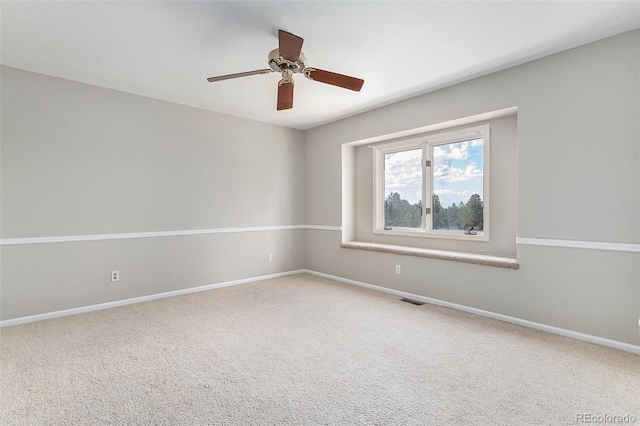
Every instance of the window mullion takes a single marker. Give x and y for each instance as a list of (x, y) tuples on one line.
[(379, 164), (426, 188)]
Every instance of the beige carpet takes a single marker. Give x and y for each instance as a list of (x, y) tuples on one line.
[(303, 350)]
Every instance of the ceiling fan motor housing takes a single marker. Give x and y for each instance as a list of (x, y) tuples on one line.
[(278, 63)]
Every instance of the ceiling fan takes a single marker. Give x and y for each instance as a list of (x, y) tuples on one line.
[(289, 59)]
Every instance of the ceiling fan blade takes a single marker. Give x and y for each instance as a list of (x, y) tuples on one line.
[(334, 79), (290, 45), (240, 74), (285, 96)]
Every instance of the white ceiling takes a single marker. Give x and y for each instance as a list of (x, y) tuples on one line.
[(166, 50)]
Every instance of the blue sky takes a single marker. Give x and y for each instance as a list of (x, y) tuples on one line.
[(457, 170)]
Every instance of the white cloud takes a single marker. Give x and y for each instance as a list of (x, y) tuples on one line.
[(477, 142), (450, 192), (403, 169), (453, 151), (448, 173), (403, 174)]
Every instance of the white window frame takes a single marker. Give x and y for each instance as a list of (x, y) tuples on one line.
[(427, 142)]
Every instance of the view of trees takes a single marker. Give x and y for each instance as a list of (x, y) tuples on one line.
[(400, 213)]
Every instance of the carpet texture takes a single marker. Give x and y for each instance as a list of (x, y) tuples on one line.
[(303, 350)]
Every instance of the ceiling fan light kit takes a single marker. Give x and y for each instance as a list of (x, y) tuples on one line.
[(288, 59)]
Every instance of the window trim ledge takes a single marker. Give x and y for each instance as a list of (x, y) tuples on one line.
[(476, 259)]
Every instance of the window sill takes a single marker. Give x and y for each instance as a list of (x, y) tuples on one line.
[(476, 259)]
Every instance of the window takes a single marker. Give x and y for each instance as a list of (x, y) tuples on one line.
[(436, 185)]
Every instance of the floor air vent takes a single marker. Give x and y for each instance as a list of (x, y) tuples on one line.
[(413, 302)]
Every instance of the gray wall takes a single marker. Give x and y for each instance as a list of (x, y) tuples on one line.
[(83, 160), (78, 159), (578, 138)]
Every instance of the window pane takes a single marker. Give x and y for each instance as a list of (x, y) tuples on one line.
[(457, 185), (403, 189)]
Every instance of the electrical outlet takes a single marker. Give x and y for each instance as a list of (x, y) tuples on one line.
[(270, 257), (115, 276), (397, 269)]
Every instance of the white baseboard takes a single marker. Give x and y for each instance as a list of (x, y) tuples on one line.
[(555, 330), (530, 324), (114, 304)]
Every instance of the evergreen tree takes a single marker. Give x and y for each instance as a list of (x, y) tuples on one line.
[(391, 209), (459, 222), (439, 214), (398, 212), (416, 215), (453, 213), (473, 214)]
